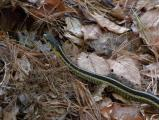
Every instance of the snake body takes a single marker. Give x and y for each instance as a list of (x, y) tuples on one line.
[(121, 89)]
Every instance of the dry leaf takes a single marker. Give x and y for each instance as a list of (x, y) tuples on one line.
[(73, 26), (105, 103), (24, 65), (151, 70), (98, 92), (126, 68), (122, 112), (127, 3), (73, 38), (49, 7), (111, 26), (147, 4), (150, 28), (93, 63), (91, 32), (71, 49), (42, 47), (150, 18), (108, 43), (24, 99), (118, 12)]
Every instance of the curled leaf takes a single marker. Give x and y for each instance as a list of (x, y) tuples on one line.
[(111, 26)]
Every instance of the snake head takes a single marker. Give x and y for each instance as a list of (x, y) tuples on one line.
[(52, 40)]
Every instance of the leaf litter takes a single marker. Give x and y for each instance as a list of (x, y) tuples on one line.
[(104, 37)]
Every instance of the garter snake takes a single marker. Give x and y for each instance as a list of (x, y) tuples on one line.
[(121, 89)]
